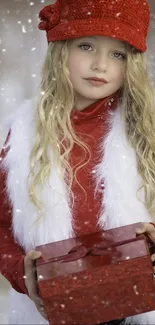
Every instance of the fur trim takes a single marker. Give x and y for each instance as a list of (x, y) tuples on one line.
[(118, 171), (56, 224), (120, 206)]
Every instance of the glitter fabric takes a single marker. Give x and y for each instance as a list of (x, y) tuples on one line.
[(109, 282), (91, 125), (126, 20)]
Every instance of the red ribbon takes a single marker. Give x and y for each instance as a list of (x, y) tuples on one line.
[(80, 251)]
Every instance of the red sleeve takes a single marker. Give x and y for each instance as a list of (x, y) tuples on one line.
[(11, 254)]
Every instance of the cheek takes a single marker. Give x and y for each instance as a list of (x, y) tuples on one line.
[(119, 74), (73, 66), (77, 64)]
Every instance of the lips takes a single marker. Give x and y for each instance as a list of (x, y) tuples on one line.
[(98, 79)]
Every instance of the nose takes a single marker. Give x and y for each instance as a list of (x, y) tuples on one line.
[(100, 62)]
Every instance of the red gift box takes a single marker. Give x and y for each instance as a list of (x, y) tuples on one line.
[(96, 278)]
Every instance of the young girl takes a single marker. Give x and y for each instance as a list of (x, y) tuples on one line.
[(80, 158)]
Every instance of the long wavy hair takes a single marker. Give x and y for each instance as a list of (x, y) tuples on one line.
[(54, 128), (138, 102)]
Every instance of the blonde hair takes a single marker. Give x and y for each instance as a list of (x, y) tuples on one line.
[(53, 124), (54, 128), (138, 102)]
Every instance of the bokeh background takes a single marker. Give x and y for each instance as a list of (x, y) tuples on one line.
[(22, 50)]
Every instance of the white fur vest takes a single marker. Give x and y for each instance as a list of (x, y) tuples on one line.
[(120, 206)]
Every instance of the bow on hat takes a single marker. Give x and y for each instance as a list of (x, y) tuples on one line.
[(50, 16)]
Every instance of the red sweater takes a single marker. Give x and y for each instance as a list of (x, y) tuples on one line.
[(91, 123)]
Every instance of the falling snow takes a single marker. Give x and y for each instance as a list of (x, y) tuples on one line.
[(135, 289), (18, 83), (62, 306)]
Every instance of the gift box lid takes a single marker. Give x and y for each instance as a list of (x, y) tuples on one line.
[(74, 255)]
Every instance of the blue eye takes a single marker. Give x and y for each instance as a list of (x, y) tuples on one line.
[(84, 46), (120, 55)]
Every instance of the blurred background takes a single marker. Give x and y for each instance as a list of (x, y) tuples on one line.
[(22, 50)]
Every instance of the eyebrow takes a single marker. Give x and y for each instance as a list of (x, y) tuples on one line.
[(116, 45)]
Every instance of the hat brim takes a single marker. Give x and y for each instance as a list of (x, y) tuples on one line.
[(98, 27)]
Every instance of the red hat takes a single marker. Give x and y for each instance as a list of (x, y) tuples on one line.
[(126, 20)]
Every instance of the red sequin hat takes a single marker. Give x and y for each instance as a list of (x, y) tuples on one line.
[(126, 20)]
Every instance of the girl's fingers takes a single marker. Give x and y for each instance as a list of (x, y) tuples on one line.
[(145, 227), (31, 256), (153, 257), (149, 229), (152, 237), (31, 280), (43, 313), (40, 306), (38, 300)]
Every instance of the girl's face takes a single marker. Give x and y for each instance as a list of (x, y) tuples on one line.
[(100, 57)]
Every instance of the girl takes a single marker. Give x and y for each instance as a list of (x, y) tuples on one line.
[(80, 158)]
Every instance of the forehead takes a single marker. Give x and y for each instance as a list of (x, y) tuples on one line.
[(103, 40)]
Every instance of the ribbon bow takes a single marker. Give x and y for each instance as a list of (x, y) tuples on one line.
[(78, 252), (50, 16), (100, 249)]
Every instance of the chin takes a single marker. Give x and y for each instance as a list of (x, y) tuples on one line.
[(97, 97)]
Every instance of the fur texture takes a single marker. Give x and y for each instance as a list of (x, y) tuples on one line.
[(56, 224), (120, 205)]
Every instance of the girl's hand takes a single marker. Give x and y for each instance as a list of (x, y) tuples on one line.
[(149, 229), (31, 280)]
